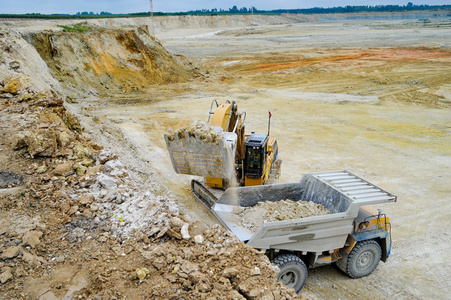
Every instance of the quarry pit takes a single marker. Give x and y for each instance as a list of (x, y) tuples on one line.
[(371, 95)]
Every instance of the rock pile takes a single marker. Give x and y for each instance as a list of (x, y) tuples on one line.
[(200, 130), (220, 267), (75, 224), (77, 210), (269, 211)]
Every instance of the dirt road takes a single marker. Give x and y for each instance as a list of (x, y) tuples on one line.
[(369, 97)]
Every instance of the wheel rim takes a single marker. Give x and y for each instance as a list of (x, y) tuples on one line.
[(289, 279), (365, 260)]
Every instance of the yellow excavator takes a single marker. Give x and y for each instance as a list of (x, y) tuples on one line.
[(234, 159)]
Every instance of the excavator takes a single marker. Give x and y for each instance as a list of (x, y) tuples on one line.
[(234, 159)]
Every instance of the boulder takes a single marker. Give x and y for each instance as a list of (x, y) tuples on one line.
[(199, 239), (106, 181), (16, 83), (10, 253), (255, 271), (6, 275), (64, 169), (19, 141), (9, 178), (32, 259), (142, 273), (79, 168), (197, 228), (41, 142), (65, 206), (64, 139), (185, 231), (230, 272), (72, 210), (92, 171), (87, 199), (105, 155), (14, 65), (31, 238), (176, 223)]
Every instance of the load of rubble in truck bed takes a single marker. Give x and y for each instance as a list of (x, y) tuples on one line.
[(271, 211), (199, 129)]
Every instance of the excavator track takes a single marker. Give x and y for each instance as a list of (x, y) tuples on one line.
[(202, 194), (207, 198)]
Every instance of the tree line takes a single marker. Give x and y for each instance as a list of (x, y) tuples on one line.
[(364, 8), (244, 10)]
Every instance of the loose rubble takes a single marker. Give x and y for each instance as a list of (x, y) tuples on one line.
[(200, 129), (74, 224), (269, 211)]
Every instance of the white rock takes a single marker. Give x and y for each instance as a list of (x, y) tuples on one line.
[(255, 271), (106, 181), (185, 232), (105, 155), (141, 204), (114, 168), (199, 239)]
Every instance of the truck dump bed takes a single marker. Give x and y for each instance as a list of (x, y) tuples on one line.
[(341, 192)]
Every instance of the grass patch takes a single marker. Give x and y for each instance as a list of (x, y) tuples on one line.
[(79, 27)]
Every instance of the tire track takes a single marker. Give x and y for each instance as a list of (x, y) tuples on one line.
[(422, 216)]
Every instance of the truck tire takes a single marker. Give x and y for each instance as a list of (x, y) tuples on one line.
[(363, 259), (293, 272)]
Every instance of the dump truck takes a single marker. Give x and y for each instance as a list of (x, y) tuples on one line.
[(354, 235)]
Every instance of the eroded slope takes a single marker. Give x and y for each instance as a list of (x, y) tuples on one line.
[(106, 61)]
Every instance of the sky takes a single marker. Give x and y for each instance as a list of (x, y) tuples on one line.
[(131, 6)]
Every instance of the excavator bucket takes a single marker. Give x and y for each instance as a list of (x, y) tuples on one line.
[(202, 155)]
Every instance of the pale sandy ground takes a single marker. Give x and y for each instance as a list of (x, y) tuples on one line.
[(321, 124), (403, 148)]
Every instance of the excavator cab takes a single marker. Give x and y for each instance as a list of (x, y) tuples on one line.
[(254, 162), (255, 157), (260, 159)]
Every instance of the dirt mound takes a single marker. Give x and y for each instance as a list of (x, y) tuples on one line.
[(108, 61)]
